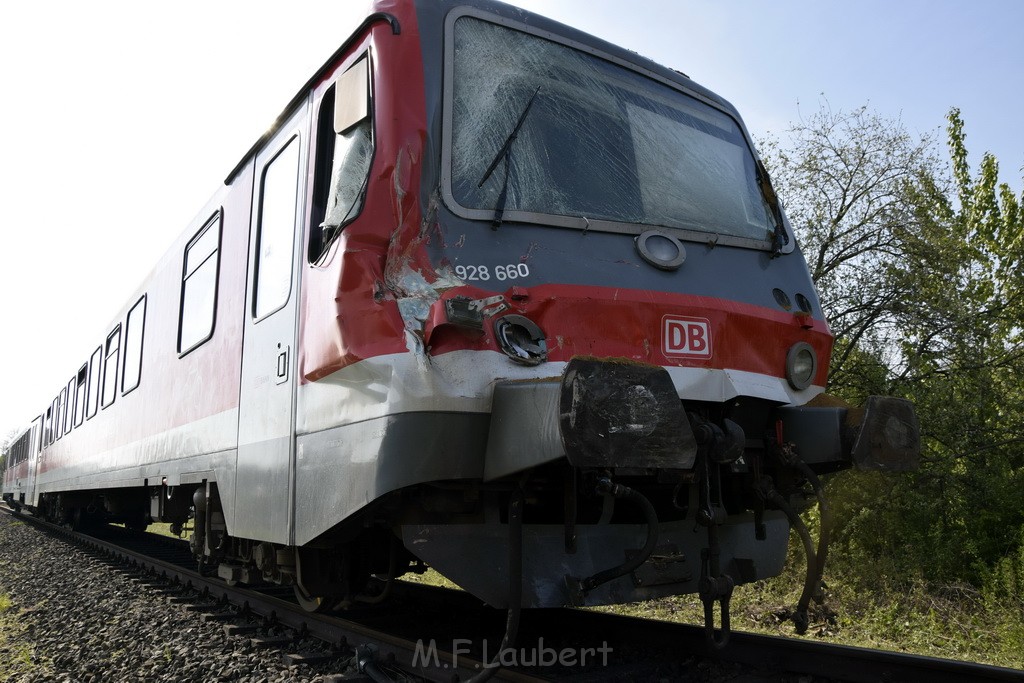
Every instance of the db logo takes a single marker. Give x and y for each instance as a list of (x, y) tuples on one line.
[(690, 337)]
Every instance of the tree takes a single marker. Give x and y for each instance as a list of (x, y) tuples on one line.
[(843, 177), (5, 444), (918, 264), (964, 352)]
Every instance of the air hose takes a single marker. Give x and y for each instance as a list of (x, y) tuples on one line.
[(578, 588), (825, 530), (812, 578)]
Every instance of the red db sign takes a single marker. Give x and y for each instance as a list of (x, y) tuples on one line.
[(688, 337)]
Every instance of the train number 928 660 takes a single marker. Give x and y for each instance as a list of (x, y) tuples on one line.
[(512, 271)]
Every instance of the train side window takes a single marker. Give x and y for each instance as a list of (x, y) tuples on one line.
[(199, 286), (134, 330), (69, 406), (48, 426), (110, 362), (58, 415), (92, 390), (275, 240), (344, 152), (80, 382)]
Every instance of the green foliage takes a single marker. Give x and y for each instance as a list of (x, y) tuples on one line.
[(951, 621), (843, 178), (920, 266), (961, 352)]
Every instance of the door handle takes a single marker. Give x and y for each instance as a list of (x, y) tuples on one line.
[(282, 363)]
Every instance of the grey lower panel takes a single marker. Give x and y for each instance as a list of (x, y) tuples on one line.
[(260, 502), (217, 467), (475, 556), (341, 470), (524, 427)]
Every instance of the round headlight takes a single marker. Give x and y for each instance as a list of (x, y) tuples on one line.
[(660, 250), (801, 365), (521, 339)]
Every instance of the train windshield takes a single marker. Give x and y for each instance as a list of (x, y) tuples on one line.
[(540, 131)]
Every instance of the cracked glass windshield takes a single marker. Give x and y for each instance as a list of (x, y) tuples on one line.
[(542, 128)]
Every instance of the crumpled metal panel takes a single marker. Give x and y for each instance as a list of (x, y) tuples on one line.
[(889, 437), (620, 413)]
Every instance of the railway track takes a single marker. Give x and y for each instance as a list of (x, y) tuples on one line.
[(385, 643)]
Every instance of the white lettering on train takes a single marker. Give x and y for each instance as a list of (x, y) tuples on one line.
[(688, 337)]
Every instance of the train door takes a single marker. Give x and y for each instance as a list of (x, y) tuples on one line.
[(34, 446), (264, 482)]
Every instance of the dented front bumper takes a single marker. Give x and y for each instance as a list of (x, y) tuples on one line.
[(615, 413), (882, 435)]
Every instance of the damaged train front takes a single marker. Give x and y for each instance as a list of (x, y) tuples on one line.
[(618, 277)]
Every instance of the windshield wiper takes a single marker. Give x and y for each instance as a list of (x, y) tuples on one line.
[(505, 153)]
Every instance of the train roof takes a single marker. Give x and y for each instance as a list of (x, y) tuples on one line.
[(380, 14)]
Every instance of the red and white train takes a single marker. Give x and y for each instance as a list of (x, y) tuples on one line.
[(492, 296)]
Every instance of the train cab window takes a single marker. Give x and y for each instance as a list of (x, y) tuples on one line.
[(199, 287), (344, 151), (134, 330), (275, 240), (110, 362), (92, 389), (80, 382)]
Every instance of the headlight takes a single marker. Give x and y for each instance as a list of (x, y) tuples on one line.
[(521, 339), (801, 365), (660, 250)]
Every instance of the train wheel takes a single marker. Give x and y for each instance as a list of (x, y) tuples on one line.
[(313, 569), (312, 603), (137, 525)]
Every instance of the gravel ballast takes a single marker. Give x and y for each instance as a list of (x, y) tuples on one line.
[(72, 617)]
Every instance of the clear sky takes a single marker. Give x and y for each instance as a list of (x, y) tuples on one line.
[(121, 118)]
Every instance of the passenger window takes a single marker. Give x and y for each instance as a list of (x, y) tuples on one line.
[(134, 329), (69, 406), (80, 382), (58, 417), (111, 358), (92, 391), (48, 426), (276, 237), (199, 287), (344, 150)]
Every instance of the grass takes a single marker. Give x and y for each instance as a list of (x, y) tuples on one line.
[(163, 529), (953, 622), (430, 578), (17, 652)]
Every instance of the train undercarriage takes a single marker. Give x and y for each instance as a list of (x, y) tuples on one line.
[(647, 497)]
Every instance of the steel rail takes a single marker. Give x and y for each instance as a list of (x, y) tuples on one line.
[(761, 653), (795, 655), (394, 651)]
